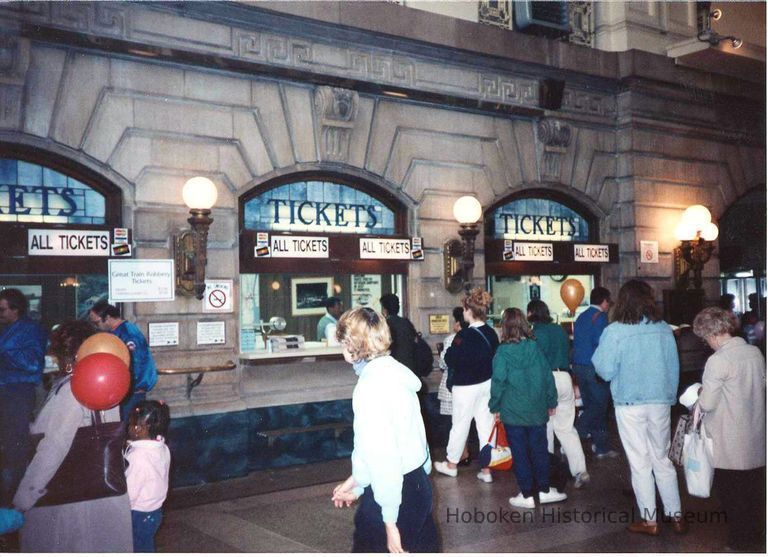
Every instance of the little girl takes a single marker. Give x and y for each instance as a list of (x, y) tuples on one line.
[(149, 461)]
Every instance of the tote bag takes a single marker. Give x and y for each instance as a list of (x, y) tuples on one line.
[(93, 468), (496, 454), (697, 459)]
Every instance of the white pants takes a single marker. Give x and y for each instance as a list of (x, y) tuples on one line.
[(561, 424), (469, 401), (644, 432)]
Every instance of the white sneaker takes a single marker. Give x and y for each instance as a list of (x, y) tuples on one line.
[(522, 502), (551, 496), (443, 468), (487, 478), (580, 480)]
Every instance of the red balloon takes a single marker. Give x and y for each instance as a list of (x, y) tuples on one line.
[(100, 381)]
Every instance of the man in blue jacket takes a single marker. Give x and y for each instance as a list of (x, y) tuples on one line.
[(22, 359), (595, 393), (106, 317)]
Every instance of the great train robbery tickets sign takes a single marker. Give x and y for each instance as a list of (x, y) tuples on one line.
[(68, 242)]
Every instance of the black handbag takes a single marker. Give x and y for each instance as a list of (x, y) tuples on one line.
[(94, 467)]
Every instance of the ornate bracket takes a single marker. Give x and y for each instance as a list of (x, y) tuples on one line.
[(336, 110)]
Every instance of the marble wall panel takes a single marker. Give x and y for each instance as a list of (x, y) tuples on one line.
[(42, 82)]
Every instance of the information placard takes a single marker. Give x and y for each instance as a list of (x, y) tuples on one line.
[(439, 324), (211, 332), (164, 334), (141, 280), (649, 251), (593, 253)]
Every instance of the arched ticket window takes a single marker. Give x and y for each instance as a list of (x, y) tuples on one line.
[(59, 225), (310, 236)]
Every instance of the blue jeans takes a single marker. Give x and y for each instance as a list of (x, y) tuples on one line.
[(17, 402), (596, 396), (530, 456), (418, 533), (145, 527), (129, 404)]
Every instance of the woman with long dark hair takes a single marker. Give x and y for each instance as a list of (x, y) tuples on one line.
[(638, 355)]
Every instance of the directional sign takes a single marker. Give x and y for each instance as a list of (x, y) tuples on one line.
[(218, 296)]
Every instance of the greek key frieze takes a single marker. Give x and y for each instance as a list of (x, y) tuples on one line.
[(590, 103), (513, 91)]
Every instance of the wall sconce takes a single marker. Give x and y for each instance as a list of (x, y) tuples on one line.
[(709, 35), (459, 255), (191, 246), (696, 233), (70, 282)]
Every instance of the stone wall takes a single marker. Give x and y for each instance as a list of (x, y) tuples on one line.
[(150, 95)]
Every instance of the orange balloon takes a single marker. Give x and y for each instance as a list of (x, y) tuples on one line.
[(104, 343), (572, 293)]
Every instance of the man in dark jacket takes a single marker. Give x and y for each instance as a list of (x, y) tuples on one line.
[(403, 332), (22, 359)]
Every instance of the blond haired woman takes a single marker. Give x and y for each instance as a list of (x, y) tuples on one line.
[(390, 460), (733, 397), (470, 356)]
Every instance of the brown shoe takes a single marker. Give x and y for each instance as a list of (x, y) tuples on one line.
[(679, 526), (642, 527)]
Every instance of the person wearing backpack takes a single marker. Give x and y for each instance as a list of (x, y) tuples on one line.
[(470, 356), (403, 348)]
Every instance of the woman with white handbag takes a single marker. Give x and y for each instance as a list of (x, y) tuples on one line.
[(733, 397)]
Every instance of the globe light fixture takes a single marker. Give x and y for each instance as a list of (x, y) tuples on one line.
[(459, 255), (696, 233), (191, 246)]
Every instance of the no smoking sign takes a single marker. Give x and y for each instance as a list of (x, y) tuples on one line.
[(218, 296)]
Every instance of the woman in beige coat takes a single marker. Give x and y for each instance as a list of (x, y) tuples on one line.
[(733, 397)]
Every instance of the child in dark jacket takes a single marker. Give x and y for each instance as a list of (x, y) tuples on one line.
[(523, 396)]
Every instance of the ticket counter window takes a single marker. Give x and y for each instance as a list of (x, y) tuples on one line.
[(518, 291), (300, 300), (56, 297)]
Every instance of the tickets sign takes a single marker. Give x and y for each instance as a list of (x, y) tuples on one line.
[(533, 252), (385, 248), (69, 243), (595, 253), (299, 246)]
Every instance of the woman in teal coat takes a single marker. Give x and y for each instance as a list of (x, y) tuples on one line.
[(523, 396)]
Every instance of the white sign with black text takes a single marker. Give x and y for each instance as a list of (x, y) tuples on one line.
[(299, 246), (649, 251), (533, 252), (211, 332), (385, 248), (141, 280), (592, 253), (68, 243), (164, 334)]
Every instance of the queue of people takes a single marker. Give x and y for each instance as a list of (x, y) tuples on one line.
[(522, 382)]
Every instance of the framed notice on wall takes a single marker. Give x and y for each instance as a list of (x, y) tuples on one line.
[(141, 280)]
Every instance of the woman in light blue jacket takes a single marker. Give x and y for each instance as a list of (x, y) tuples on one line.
[(390, 460), (638, 355)]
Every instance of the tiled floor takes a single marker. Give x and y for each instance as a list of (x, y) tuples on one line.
[(245, 515)]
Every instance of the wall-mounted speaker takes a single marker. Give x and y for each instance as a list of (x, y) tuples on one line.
[(551, 93)]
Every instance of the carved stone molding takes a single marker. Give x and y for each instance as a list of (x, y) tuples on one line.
[(495, 13), (582, 23), (335, 111), (554, 133), (555, 136), (589, 103)]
